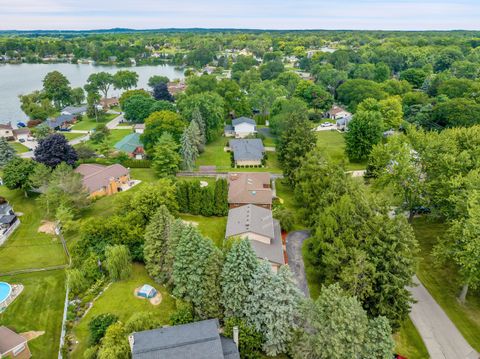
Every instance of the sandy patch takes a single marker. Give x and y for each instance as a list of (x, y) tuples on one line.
[(192, 223), (47, 227), (32, 334)]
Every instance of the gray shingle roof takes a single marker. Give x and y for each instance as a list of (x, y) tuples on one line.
[(59, 121), (250, 218), (75, 110), (273, 252), (247, 149), (199, 340), (240, 120)]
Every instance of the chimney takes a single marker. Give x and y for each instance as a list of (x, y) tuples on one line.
[(235, 335)]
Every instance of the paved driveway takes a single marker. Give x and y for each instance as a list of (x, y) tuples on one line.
[(441, 337), (295, 241)]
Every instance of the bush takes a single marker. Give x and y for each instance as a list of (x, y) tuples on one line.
[(285, 217), (132, 163), (250, 341), (183, 315), (99, 325)]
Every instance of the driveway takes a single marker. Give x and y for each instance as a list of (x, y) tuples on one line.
[(441, 337), (295, 241)]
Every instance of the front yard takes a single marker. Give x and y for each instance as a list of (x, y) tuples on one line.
[(71, 136), (333, 145)]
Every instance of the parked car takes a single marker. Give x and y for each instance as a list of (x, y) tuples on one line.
[(21, 140), (326, 124), (66, 129), (21, 124)]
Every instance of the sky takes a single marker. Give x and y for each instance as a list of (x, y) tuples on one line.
[(251, 14)]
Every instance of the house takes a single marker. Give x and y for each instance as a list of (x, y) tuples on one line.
[(110, 102), (132, 145), (199, 340), (337, 112), (6, 131), (139, 128), (8, 220), (241, 127), (247, 152), (342, 124), (249, 188), (62, 121), (257, 225), (74, 110), (100, 180), (13, 345), (21, 133), (176, 87)]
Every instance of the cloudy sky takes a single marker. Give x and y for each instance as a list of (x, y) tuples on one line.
[(257, 14)]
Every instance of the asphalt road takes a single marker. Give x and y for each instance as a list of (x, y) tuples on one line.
[(441, 337), (295, 241)]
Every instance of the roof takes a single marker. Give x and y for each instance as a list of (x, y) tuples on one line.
[(249, 187), (337, 109), (75, 110), (199, 340), (7, 219), (109, 101), (21, 131), (344, 121), (139, 126), (240, 120), (9, 340), (250, 218), (129, 143), (6, 126), (60, 120), (273, 252), (96, 176), (247, 149), (5, 208), (228, 128), (146, 288)]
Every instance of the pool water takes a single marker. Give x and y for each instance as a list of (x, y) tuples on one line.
[(5, 290)]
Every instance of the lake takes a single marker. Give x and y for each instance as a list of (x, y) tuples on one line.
[(24, 78)]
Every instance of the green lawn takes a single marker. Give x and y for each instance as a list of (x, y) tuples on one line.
[(442, 283), (287, 198), (333, 144), (26, 248), (71, 136), (39, 307), (18, 147), (119, 299), (409, 343), (211, 227), (88, 123)]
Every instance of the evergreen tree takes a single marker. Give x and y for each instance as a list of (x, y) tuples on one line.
[(7, 153), (197, 118), (182, 196), (166, 159), (240, 265), (221, 197), (194, 198), (207, 198), (178, 230), (157, 235), (160, 92), (189, 147)]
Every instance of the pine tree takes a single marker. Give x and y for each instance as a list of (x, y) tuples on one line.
[(240, 265), (178, 229), (166, 159), (221, 197), (197, 118), (182, 196), (157, 235), (194, 197), (189, 147), (7, 153), (207, 208)]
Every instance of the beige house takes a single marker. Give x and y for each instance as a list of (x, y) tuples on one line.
[(249, 188), (13, 345), (102, 180), (337, 112), (258, 226), (6, 131)]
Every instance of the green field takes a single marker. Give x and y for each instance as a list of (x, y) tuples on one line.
[(26, 248), (119, 299), (40, 308), (87, 123), (18, 147), (443, 285), (333, 144), (211, 227)]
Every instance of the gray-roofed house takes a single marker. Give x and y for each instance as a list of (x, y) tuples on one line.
[(258, 225), (13, 345), (199, 340), (241, 127), (74, 110), (342, 123), (247, 152), (61, 121)]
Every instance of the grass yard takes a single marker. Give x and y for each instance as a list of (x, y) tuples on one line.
[(211, 227), (442, 283), (119, 299), (18, 147), (71, 136), (408, 342), (87, 123), (287, 198), (115, 136), (26, 248), (39, 307), (333, 144)]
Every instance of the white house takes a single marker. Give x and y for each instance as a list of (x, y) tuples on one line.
[(139, 128), (337, 112), (6, 131), (241, 127)]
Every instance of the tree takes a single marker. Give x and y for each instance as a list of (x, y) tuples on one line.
[(114, 344), (159, 123), (54, 150), (78, 95), (7, 153), (334, 319), (211, 107), (118, 262), (157, 235), (166, 160), (221, 197), (130, 93), (189, 143), (160, 92), (284, 111), (125, 80), (197, 118), (57, 88), (16, 174), (37, 106), (352, 92), (157, 79), (137, 108), (84, 151), (364, 131), (140, 321), (314, 95), (163, 106), (330, 77), (99, 325), (249, 340), (415, 76), (390, 109), (462, 245), (456, 112), (93, 101), (100, 133), (100, 81), (271, 69), (199, 84), (236, 103), (238, 271), (263, 94)]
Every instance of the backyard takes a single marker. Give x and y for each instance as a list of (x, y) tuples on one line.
[(87, 123), (211, 227), (333, 144)]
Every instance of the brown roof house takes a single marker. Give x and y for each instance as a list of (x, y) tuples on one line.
[(249, 188), (110, 102), (13, 345), (6, 131), (102, 180), (257, 224), (337, 112)]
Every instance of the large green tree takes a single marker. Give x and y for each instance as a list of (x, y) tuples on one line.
[(166, 160), (364, 131), (125, 80), (158, 123), (7, 153), (57, 88), (189, 143)]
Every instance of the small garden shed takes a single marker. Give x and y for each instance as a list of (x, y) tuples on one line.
[(147, 291)]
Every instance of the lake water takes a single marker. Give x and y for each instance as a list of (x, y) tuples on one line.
[(24, 78)]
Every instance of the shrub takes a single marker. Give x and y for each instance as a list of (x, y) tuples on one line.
[(99, 325), (183, 314), (250, 341)]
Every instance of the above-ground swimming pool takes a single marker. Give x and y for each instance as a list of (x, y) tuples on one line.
[(5, 293)]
